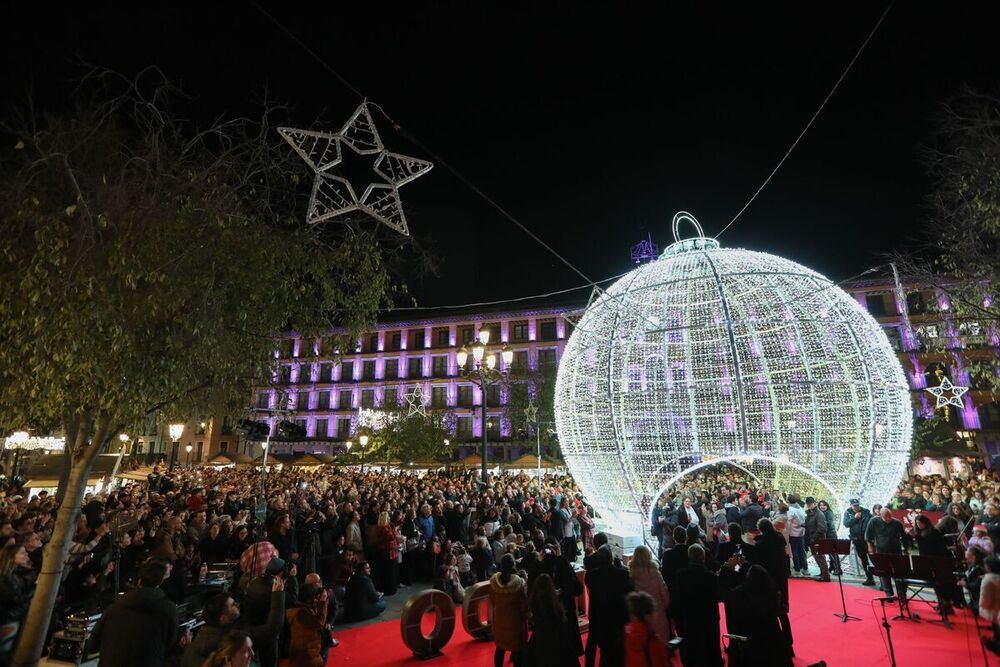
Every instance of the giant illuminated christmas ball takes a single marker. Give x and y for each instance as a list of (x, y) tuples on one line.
[(709, 355)]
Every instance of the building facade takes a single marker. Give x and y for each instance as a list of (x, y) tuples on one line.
[(324, 391), (206, 437), (932, 344)]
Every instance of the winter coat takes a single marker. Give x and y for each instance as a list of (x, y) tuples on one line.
[(695, 601), (755, 616), (360, 598), (856, 527), (815, 526), (607, 586), (796, 521), (651, 582), (643, 647), (263, 635), (549, 645), (749, 516), (831, 523), (989, 598), (510, 612), (305, 645), (886, 536), (15, 596), (137, 630)]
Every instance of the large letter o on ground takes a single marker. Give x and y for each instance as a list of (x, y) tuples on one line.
[(472, 621), (425, 646)]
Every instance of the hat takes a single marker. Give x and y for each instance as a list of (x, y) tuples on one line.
[(810, 500), (275, 566), (855, 501), (980, 526)]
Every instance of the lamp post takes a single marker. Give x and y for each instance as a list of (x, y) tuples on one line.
[(188, 448), (484, 374), (176, 431), (363, 441), (531, 417)]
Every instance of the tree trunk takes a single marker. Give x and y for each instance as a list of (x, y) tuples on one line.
[(71, 426), (29, 648)]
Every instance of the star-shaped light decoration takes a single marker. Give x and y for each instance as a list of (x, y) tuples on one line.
[(954, 396), (415, 399), (334, 195), (531, 413)]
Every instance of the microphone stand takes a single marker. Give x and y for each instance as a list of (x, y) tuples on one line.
[(888, 631)]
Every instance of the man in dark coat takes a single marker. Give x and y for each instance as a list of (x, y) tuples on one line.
[(139, 628), (816, 529), (675, 558), (885, 535), (607, 586), (221, 615), (769, 553), (856, 520), (750, 513), (361, 600), (696, 599)]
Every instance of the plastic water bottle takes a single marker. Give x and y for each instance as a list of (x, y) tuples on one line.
[(203, 573)]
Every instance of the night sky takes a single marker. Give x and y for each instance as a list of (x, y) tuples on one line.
[(590, 124)]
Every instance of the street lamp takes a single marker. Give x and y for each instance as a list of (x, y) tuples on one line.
[(484, 374), (531, 416), (176, 431), (188, 449), (363, 441)]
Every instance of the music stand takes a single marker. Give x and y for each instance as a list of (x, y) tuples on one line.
[(893, 566), (837, 548)]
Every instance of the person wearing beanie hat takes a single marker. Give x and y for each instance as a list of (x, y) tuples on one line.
[(981, 539), (816, 529), (856, 520)]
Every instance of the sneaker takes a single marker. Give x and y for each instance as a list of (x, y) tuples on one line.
[(822, 578), (334, 642), (868, 582)]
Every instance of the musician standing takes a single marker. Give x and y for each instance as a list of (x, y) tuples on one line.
[(884, 535)]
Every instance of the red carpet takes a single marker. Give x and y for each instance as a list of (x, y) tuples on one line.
[(818, 636)]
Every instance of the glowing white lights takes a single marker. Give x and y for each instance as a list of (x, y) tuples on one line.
[(953, 397), (416, 402), (23, 440), (334, 195), (714, 355)]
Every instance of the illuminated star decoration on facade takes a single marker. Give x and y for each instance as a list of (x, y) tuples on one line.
[(946, 386), (531, 413), (334, 195), (415, 399)]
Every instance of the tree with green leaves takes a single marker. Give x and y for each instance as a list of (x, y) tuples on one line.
[(934, 435), (147, 264), (531, 387), (960, 254), (404, 438)]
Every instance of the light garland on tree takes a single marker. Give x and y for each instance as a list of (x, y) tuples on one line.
[(22, 440), (716, 355), (374, 420)]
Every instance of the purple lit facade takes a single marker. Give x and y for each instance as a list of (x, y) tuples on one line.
[(931, 317), (326, 394)]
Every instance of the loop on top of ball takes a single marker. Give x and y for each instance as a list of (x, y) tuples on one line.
[(684, 215)]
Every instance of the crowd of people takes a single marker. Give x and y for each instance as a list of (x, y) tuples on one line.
[(312, 548)]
